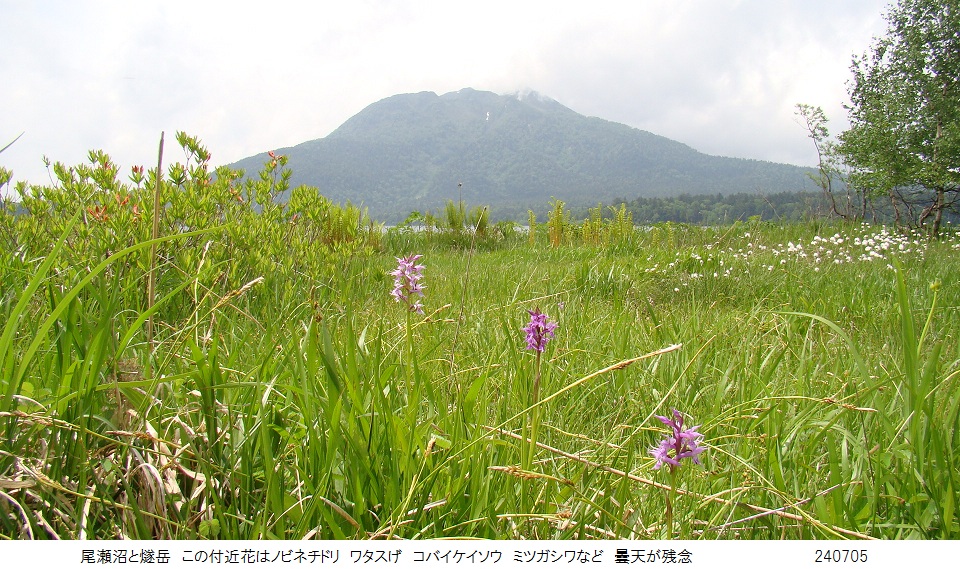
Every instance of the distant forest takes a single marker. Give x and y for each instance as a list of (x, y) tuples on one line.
[(717, 209)]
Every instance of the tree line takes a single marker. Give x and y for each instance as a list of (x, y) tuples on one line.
[(903, 144)]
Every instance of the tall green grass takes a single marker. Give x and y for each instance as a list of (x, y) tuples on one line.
[(290, 397)]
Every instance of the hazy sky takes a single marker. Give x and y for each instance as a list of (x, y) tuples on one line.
[(722, 76)]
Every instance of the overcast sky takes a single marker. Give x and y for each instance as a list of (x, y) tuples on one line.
[(722, 76)]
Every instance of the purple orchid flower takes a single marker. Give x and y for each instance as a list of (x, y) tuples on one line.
[(681, 444)]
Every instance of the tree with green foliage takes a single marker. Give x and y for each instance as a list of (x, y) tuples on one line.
[(904, 138)]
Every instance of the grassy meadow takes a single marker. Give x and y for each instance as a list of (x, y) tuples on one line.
[(269, 385)]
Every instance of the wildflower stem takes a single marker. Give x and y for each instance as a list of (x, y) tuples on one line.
[(671, 496), (534, 423), (536, 382), (533, 428), (410, 363)]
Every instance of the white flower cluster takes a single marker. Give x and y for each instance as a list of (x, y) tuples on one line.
[(869, 244), (875, 245)]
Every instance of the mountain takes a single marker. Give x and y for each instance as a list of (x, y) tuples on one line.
[(409, 152)]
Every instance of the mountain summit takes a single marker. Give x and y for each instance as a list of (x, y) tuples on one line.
[(409, 152)]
